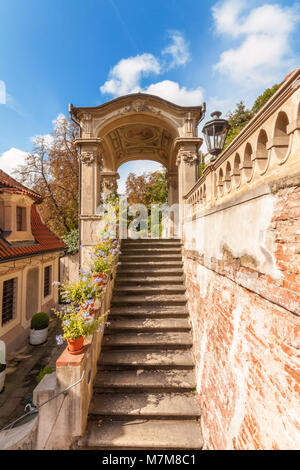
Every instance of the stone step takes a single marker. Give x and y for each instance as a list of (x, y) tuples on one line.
[(149, 290), (151, 251), (147, 359), (144, 405), (151, 241), (149, 272), (165, 248), (147, 340), (141, 434), (175, 380), (128, 265), (146, 257), (145, 300), (149, 312), (138, 281), (148, 325)]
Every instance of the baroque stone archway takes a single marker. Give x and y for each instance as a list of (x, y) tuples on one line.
[(134, 127)]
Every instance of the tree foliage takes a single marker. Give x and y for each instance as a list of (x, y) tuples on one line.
[(241, 115), (148, 188), (262, 99), (52, 170)]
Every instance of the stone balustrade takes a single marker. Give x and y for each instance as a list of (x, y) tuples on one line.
[(267, 146), (64, 418)]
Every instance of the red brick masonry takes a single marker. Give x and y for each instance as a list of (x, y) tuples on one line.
[(247, 341)]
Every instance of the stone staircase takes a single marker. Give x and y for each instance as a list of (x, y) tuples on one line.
[(144, 392)]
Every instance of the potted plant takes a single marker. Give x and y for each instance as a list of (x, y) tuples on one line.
[(82, 292), (76, 325), (39, 328)]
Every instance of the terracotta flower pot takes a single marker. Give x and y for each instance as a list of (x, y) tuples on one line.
[(100, 277), (75, 346)]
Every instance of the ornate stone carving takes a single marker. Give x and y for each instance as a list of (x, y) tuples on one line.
[(88, 157), (137, 106), (110, 184), (186, 156)]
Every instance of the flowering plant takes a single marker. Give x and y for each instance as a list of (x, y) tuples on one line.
[(104, 255), (82, 291), (77, 323)]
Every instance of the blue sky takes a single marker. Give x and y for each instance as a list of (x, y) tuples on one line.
[(56, 52)]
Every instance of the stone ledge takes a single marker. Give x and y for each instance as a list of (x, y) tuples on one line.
[(73, 360)]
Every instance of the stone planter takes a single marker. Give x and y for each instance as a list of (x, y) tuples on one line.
[(38, 336)]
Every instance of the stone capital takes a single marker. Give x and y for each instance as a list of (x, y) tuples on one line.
[(187, 156), (91, 150), (88, 157), (186, 150), (109, 181)]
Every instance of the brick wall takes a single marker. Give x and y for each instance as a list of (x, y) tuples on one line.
[(247, 339)]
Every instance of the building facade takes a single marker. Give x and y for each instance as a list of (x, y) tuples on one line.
[(29, 261)]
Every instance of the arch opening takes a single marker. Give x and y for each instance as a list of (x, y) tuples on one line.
[(248, 164), (281, 136), (261, 150)]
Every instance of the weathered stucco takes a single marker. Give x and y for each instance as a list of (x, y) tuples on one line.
[(240, 229)]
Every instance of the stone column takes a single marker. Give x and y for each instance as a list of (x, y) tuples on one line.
[(186, 160), (173, 200), (90, 161)]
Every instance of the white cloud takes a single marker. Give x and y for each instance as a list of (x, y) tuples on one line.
[(46, 139), (125, 77), (263, 55), (171, 91), (2, 92), (60, 119), (11, 159), (178, 50)]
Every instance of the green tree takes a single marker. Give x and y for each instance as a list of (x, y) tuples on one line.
[(262, 99), (237, 120), (148, 188), (241, 115)]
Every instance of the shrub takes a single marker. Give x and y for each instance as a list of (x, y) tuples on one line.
[(43, 372), (39, 321), (71, 239)]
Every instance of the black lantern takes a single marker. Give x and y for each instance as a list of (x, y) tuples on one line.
[(215, 133)]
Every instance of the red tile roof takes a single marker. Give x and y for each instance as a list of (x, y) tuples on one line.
[(45, 240), (10, 185)]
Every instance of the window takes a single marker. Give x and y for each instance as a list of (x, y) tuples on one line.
[(47, 280), (9, 300), (21, 219)]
